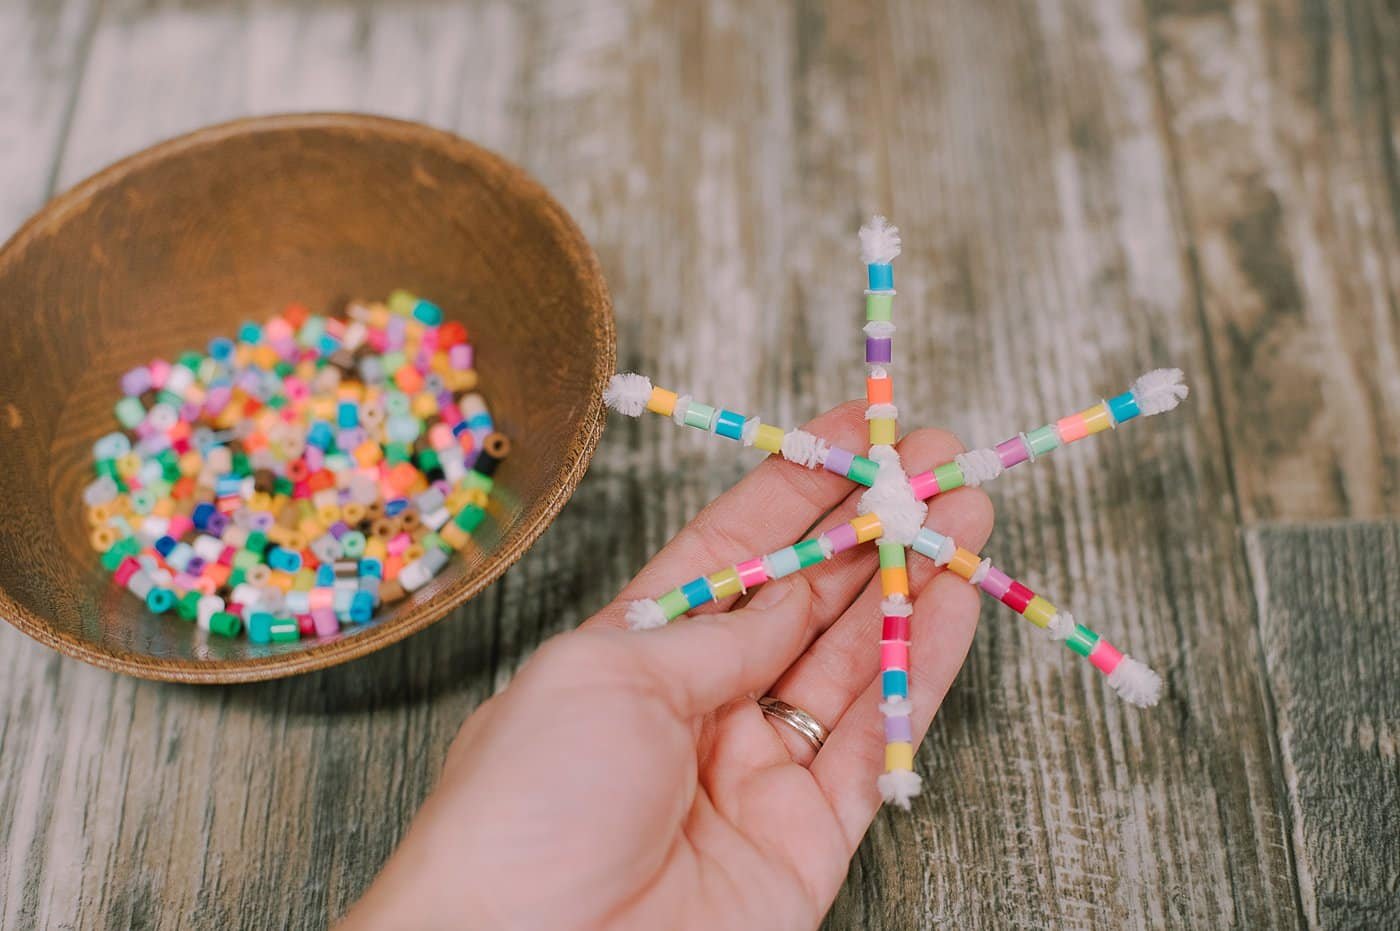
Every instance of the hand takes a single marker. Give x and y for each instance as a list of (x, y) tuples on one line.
[(629, 779)]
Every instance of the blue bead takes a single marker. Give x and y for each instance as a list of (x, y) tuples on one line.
[(394, 507), (784, 562), (260, 627), (1124, 407), (348, 415), (895, 683), (249, 333), (928, 542), (221, 348), (460, 428), (325, 575), (372, 567), (361, 607), (320, 435), (165, 544), (697, 592), (881, 277), (202, 513), (481, 422), (427, 312), (730, 424)]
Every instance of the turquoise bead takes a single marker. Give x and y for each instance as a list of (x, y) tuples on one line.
[(427, 312), (1124, 407), (697, 592), (730, 425), (895, 683)]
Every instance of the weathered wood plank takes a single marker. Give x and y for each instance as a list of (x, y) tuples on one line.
[(1284, 117), (1329, 621)]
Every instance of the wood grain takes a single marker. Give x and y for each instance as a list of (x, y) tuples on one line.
[(1329, 617), (1066, 197)]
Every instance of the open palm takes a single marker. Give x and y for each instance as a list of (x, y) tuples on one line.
[(630, 779)]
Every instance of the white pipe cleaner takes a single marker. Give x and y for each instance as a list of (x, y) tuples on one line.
[(1135, 682), (1159, 391), (879, 242), (979, 465), (628, 393), (805, 448), (645, 613), (892, 499), (898, 787)]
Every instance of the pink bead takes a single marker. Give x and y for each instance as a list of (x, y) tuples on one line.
[(1012, 452), (841, 538), (440, 436), (460, 357), (895, 628), (305, 625), (160, 370), (180, 525), (326, 624), (894, 654), (925, 485), (752, 573), (1105, 657), (400, 543), (321, 599), (997, 583)]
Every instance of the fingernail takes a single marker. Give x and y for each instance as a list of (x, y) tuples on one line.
[(770, 596)]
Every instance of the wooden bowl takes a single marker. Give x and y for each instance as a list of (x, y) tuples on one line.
[(180, 243)]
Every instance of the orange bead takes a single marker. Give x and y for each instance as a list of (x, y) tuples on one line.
[(409, 379), (894, 581), (964, 562), (879, 390)]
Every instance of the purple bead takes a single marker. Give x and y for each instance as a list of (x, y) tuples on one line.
[(136, 381), (261, 521), (315, 457), (216, 524), (217, 399), (899, 730), (338, 529), (839, 460), (841, 538), (997, 583), (195, 566), (189, 412), (879, 350), (460, 356), (1012, 452)]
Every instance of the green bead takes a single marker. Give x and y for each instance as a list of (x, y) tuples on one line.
[(246, 559), (130, 412), (225, 624), (469, 518), (428, 461), (285, 630), (113, 557), (352, 545), (809, 553), (190, 360), (240, 465), (395, 402), (395, 453), (863, 471), (699, 415), (340, 462), (106, 467), (236, 577), (674, 603), (949, 476), (879, 306), (283, 369), (1043, 440), (401, 302), (256, 542), (169, 397), (891, 556), (1082, 641), (187, 608), (475, 480), (283, 486), (428, 540), (277, 402)]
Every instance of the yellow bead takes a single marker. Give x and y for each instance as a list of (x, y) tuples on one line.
[(882, 432), (894, 580), (328, 514), (964, 562), (413, 552), (190, 463), (1039, 612), (453, 535), (424, 405), (98, 515), (128, 465), (769, 438), (1097, 418), (460, 380), (726, 582), (165, 507), (375, 549), (867, 527), (662, 402), (899, 756)]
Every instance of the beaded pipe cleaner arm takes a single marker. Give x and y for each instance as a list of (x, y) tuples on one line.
[(898, 500)]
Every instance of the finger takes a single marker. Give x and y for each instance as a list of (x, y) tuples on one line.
[(767, 509), (846, 769), (703, 662), (845, 659)]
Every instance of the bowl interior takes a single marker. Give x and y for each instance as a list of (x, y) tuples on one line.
[(181, 243)]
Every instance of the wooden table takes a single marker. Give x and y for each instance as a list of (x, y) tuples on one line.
[(1087, 189)]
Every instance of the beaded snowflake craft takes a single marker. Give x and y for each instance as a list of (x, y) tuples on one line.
[(892, 511)]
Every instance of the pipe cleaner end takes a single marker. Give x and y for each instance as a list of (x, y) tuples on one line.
[(645, 614), (628, 393), (879, 242), (1159, 391), (1136, 683), (899, 786)]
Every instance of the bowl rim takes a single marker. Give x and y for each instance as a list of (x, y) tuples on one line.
[(596, 298)]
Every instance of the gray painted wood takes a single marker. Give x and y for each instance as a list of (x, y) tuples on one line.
[(1061, 195), (1329, 622)]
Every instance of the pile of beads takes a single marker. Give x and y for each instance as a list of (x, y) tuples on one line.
[(290, 481)]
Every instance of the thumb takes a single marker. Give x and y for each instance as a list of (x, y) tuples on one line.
[(706, 661)]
